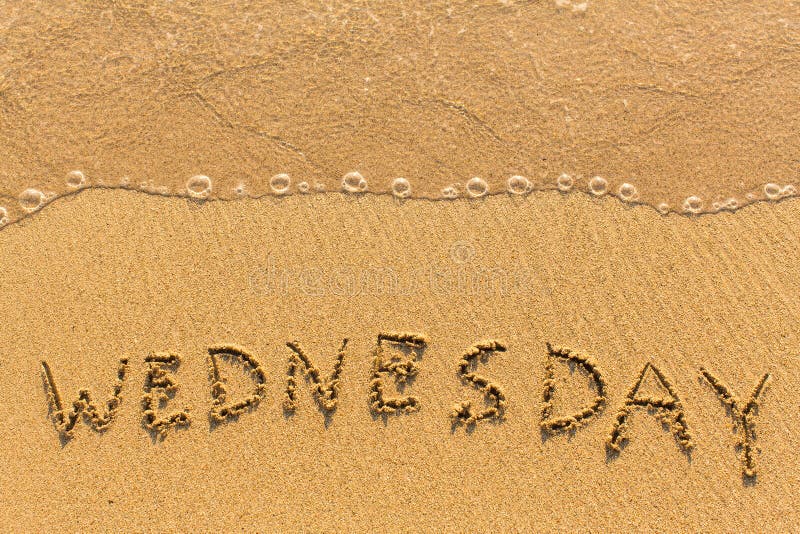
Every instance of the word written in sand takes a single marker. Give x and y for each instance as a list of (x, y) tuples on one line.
[(396, 363)]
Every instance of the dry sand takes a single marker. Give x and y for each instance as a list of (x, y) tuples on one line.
[(103, 275), (111, 112)]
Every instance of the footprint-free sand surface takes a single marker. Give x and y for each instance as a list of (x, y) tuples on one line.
[(104, 275), (677, 99), (400, 266)]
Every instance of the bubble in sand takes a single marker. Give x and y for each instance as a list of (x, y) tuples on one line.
[(663, 208), (449, 192), (788, 191), (731, 203), (353, 182), (303, 187), (598, 185), (772, 191), (401, 188), (280, 183), (477, 187), (199, 186), (628, 192), (692, 204), (518, 185), (319, 187), (3, 216), (565, 182), (31, 199), (75, 179)]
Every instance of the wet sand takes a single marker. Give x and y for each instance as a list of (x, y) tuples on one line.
[(678, 99)]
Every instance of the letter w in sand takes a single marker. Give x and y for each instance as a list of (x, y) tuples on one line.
[(65, 421)]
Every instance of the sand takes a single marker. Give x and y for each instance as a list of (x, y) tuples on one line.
[(677, 99), (104, 275), (422, 266)]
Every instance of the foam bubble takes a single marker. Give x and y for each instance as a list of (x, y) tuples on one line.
[(75, 179), (303, 187), (280, 184), (477, 187), (199, 186), (518, 185), (353, 182), (401, 188), (3, 216), (449, 192), (663, 208), (31, 199), (731, 203), (772, 191), (598, 185), (788, 191), (565, 182), (628, 192), (692, 204)]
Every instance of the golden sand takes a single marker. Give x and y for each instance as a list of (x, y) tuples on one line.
[(670, 326), (663, 101), (362, 266)]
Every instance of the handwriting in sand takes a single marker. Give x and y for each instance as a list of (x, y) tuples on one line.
[(396, 363)]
